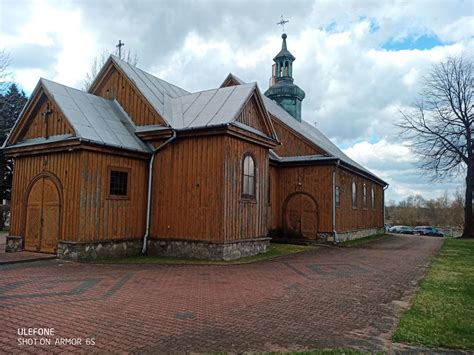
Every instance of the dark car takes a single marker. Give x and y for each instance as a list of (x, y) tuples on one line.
[(401, 230), (428, 230)]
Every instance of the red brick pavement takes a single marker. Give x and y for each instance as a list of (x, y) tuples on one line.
[(330, 297)]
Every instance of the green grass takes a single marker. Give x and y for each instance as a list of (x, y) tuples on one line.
[(357, 242), (442, 313), (276, 250)]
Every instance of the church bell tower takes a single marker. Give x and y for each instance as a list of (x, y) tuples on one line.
[(282, 89)]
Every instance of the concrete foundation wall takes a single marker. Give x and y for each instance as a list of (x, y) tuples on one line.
[(345, 236)]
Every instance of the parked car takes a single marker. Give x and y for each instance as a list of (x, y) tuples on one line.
[(401, 230), (428, 230), (387, 227)]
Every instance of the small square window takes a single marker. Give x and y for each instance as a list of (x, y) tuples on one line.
[(118, 184)]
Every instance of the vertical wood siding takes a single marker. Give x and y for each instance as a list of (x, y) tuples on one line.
[(87, 214), (117, 86), (313, 180), (292, 144), (274, 206), (251, 116), (348, 218), (102, 217), (36, 126), (244, 219), (188, 198), (65, 166)]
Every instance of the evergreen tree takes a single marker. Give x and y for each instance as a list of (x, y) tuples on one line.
[(11, 104)]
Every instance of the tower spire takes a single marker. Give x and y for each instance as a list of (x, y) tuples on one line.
[(282, 89)]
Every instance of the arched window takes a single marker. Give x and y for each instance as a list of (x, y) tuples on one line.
[(373, 198), (365, 196), (354, 195), (248, 177)]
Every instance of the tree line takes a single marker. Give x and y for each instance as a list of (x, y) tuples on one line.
[(444, 211)]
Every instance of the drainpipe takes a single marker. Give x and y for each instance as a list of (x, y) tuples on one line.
[(149, 196), (383, 199), (336, 241)]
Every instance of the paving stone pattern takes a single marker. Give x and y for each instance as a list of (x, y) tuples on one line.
[(327, 298)]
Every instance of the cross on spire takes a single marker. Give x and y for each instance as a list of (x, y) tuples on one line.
[(119, 46), (282, 23)]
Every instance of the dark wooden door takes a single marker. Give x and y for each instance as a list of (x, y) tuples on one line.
[(42, 217), (301, 215)]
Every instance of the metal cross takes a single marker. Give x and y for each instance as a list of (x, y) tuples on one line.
[(282, 23), (119, 46)]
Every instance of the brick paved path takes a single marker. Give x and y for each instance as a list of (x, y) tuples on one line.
[(326, 298)]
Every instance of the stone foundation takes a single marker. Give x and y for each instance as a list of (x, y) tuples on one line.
[(206, 250), (99, 249), (357, 234), (13, 244)]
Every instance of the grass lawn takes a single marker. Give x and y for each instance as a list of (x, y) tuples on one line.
[(275, 251), (356, 242), (442, 313)]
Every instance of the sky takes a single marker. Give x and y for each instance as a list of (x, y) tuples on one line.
[(360, 62)]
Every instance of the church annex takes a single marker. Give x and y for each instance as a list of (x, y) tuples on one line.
[(138, 165)]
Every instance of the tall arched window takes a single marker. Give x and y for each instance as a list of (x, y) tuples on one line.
[(248, 177), (354, 195), (373, 198), (365, 196)]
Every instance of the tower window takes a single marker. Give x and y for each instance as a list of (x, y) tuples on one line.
[(248, 177)]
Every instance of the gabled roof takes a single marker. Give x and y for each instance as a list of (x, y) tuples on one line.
[(232, 78), (93, 118), (154, 89), (306, 130)]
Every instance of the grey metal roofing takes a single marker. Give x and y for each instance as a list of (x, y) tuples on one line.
[(154, 89), (207, 108), (312, 134), (94, 118)]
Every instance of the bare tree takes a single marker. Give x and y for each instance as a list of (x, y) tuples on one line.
[(439, 127), (99, 62), (5, 74)]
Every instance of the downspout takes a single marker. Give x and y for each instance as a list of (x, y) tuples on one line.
[(149, 196), (383, 199), (336, 241)]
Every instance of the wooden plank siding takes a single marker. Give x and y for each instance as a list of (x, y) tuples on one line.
[(188, 179), (274, 202), (243, 218), (65, 166), (37, 126), (252, 117), (313, 180), (116, 86), (87, 213), (349, 218), (291, 143), (103, 217)]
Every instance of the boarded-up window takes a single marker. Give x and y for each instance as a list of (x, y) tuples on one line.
[(365, 196), (338, 196), (118, 183), (248, 182), (354, 195)]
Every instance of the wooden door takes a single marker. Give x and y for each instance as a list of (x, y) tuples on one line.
[(301, 215), (42, 217)]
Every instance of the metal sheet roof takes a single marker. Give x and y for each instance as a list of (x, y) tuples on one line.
[(94, 118), (207, 108), (154, 89), (311, 133)]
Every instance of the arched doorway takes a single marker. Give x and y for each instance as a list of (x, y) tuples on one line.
[(43, 210), (300, 214)]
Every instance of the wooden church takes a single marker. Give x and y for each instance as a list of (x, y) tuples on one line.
[(139, 165)]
